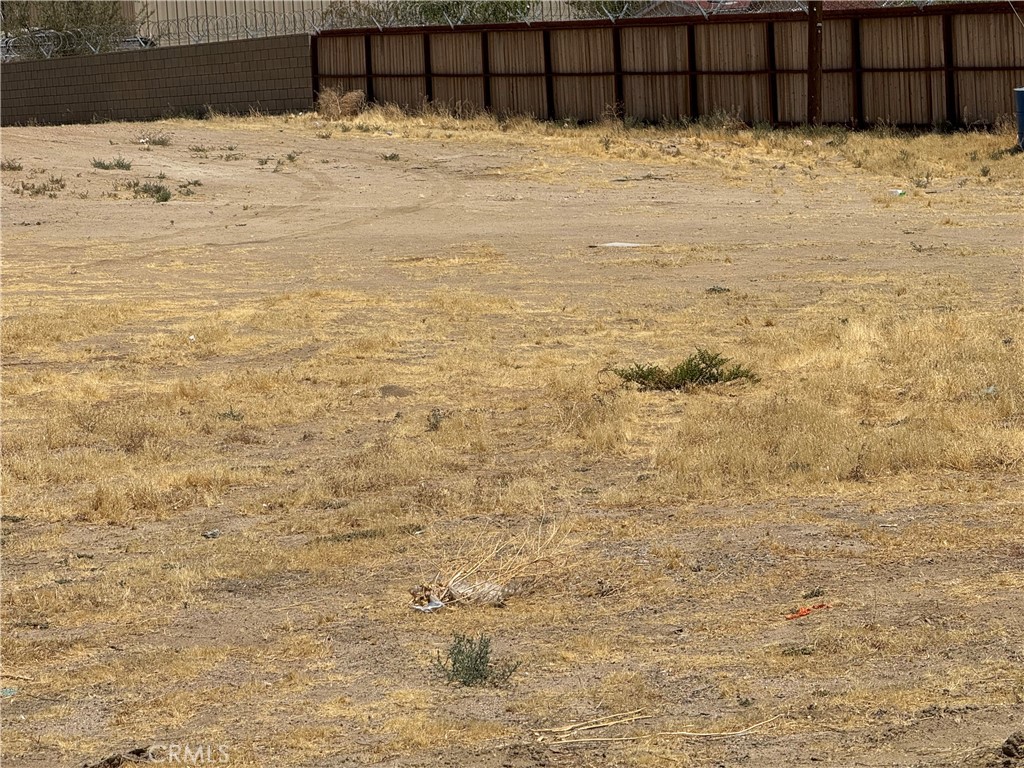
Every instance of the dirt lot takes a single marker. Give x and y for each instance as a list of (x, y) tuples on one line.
[(344, 359)]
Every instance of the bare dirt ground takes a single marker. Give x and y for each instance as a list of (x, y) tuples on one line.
[(347, 358)]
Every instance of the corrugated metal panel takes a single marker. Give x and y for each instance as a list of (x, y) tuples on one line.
[(654, 49), (583, 51), (462, 94), (518, 96), (743, 96), (902, 43), (984, 97), (406, 92), (515, 53), (987, 41), (397, 54), (458, 53), (584, 98), (731, 47), (342, 84), (341, 56), (656, 97)]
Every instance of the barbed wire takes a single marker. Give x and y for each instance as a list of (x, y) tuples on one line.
[(382, 14), (50, 44)]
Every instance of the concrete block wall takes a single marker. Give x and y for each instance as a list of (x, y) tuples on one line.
[(271, 74)]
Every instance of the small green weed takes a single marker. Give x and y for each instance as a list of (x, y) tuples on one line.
[(700, 369), (468, 662), (108, 165), (158, 192)]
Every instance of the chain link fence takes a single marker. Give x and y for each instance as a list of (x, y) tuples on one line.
[(383, 14)]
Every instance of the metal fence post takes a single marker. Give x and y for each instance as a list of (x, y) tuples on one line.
[(814, 35), (549, 75), (948, 62)]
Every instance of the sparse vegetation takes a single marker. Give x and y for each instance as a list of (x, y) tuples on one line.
[(154, 139), (188, 186), (50, 187), (467, 661), (118, 163), (389, 156), (10, 164), (158, 192)]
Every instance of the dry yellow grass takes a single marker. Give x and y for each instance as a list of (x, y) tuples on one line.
[(352, 389)]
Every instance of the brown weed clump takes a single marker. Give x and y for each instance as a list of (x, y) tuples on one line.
[(332, 104)]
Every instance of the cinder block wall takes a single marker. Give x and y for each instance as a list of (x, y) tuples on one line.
[(271, 74)]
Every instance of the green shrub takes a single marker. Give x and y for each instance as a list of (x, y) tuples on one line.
[(119, 162), (468, 662), (700, 369), (158, 192)]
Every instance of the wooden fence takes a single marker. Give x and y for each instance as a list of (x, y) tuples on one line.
[(948, 63)]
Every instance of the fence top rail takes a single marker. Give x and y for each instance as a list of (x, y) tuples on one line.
[(869, 12)]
